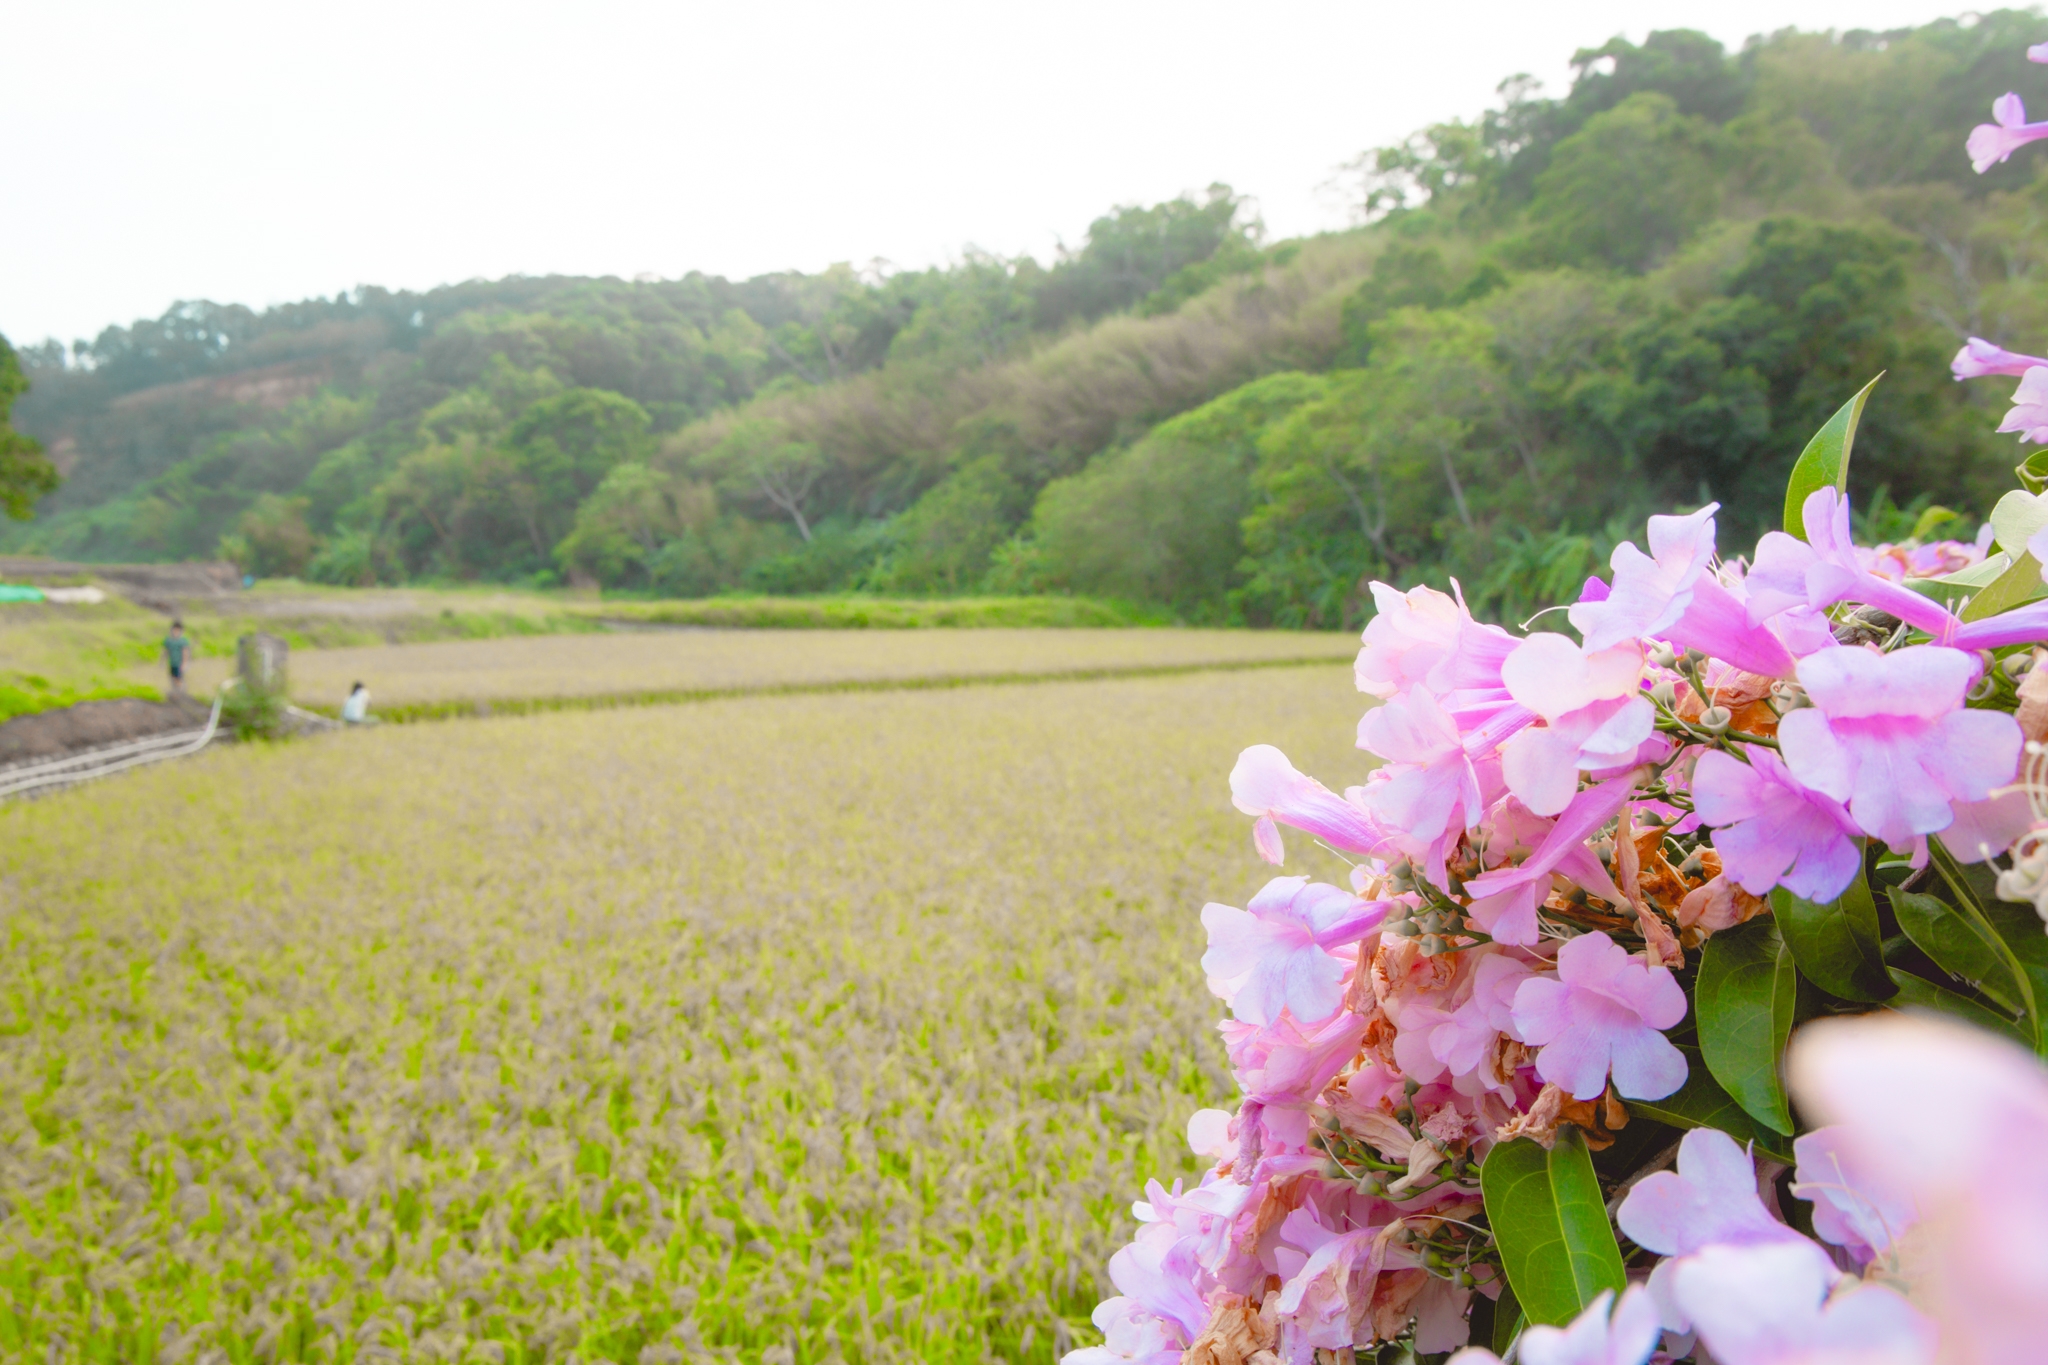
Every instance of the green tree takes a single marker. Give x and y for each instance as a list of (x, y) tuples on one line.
[(1628, 188), (26, 474), (621, 527)]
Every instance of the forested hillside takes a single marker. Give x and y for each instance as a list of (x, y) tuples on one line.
[(1556, 317)]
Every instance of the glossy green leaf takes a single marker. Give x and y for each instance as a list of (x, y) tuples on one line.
[(1745, 994), (1551, 1226), (2015, 587), (1919, 993), (2033, 471), (1836, 946), (1702, 1103), (1825, 461), (1957, 946)]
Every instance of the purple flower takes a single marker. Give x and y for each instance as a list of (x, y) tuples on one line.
[(1771, 831), (1991, 143), (1504, 900), (1266, 785), (1852, 1206), (1887, 736), (1980, 358), (1271, 955), (1770, 1305), (1602, 1012), (1593, 716), (2029, 412)]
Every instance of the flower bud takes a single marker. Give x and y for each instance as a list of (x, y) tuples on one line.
[(1665, 694), (1716, 719), (1663, 655), (2017, 666)]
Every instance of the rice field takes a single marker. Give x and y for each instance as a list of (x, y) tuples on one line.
[(815, 1028), (631, 663)]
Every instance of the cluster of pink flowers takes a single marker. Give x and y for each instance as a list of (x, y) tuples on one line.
[(1553, 827)]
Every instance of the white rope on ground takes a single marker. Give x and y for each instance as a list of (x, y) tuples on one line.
[(110, 759)]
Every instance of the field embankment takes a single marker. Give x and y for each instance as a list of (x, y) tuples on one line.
[(799, 1029), (454, 677)]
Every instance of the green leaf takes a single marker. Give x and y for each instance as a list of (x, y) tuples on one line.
[(1957, 946), (1836, 946), (1508, 1320), (1972, 888), (2015, 519), (1745, 995), (1825, 461), (1702, 1103), (1551, 1226), (2033, 471), (1919, 993), (2015, 587)]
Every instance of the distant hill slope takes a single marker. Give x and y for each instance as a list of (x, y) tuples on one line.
[(1561, 314)]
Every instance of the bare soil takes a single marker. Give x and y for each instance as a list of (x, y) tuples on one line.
[(53, 734)]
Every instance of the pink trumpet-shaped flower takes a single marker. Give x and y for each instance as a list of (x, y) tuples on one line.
[(1980, 358), (1328, 1291), (1826, 568), (1593, 713), (1602, 1012), (1427, 639), (1887, 736), (1772, 831), (1266, 785), (1271, 955), (1650, 591), (2038, 53), (1991, 143), (1969, 1163), (1504, 900), (1285, 1063), (1427, 790), (1465, 1038), (2029, 412), (1852, 1207), (1132, 1335), (1770, 1305), (1593, 1338)]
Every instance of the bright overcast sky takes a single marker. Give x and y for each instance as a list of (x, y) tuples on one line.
[(259, 153)]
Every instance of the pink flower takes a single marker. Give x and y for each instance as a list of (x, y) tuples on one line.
[(1628, 1338), (1504, 900), (1284, 1063), (1426, 639), (1887, 736), (1991, 143), (1772, 831), (1132, 1335), (1266, 785), (1464, 1040), (1428, 789), (1602, 1012), (1980, 358), (2029, 412), (1852, 1208), (1968, 1160), (1271, 956), (1594, 716), (1709, 1200), (1827, 568), (1770, 1305), (1650, 591), (1328, 1291)]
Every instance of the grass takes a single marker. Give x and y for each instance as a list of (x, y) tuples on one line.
[(409, 681), (799, 1029)]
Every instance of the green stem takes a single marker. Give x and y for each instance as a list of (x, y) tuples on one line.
[(1973, 914)]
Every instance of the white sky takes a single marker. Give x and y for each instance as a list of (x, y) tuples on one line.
[(265, 152)]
